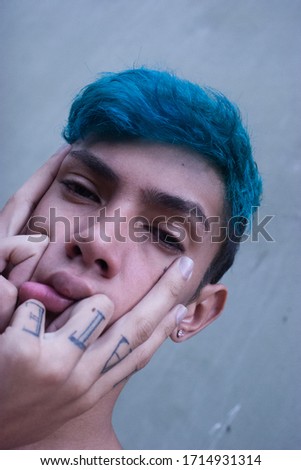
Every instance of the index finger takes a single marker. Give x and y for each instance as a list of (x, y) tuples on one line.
[(139, 324), (165, 294), (18, 208), (137, 329)]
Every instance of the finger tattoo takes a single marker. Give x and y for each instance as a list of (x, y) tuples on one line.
[(81, 340), (122, 350), (36, 316)]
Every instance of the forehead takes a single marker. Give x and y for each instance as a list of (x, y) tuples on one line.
[(166, 168)]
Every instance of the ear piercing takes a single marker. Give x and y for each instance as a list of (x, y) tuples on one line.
[(180, 333)]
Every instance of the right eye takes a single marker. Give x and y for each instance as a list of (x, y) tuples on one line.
[(79, 190)]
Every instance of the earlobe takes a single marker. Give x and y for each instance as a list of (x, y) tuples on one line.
[(201, 312)]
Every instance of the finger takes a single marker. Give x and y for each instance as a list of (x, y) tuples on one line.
[(138, 325), (139, 357), (22, 254), (29, 318), (111, 350), (88, 319), (105, 355), (167, 292), (104, 382), (16, 212), (8, 300)]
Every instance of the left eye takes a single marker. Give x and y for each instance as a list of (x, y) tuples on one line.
[(80, 190), (168, 240)]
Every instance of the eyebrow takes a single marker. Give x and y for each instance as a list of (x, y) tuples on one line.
[(95, 164), (183, 207)]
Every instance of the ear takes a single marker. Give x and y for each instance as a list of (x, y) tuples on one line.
[(201, 312)]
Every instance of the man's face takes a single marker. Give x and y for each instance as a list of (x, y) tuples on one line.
[(119, 214)]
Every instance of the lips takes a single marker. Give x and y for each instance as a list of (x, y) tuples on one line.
[(52, 300), (57, 292)]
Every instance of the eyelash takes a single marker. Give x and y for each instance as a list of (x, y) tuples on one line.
[(80, 190), (166, 239)]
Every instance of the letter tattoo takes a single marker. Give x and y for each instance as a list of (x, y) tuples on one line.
[(36, 317), (81, 340), (120, 352)]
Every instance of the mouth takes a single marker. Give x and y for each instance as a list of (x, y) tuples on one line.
[(54, 302), (57, 293)]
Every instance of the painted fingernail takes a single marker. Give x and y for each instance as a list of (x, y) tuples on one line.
[(181, 313), (186, 267)]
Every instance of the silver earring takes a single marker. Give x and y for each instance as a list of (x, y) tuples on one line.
[(180, 333)]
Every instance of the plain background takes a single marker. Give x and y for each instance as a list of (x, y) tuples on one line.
[(237, 384)]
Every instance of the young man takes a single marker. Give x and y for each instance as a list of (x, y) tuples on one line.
[(158, 177)]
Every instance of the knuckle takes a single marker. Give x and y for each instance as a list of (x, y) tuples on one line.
[(143, 358), (167, 331), (9, 292), (39, 243), (144, 330), (54, 374), (25, 355), (80, 382), (12, 201), (174, 289), (86, 402), (20, 198), (26, 201), (77, 388)]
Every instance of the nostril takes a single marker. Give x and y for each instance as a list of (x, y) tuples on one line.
[(76, 250), (103, 264)]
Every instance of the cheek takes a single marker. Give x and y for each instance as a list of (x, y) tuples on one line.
[(136, 281), (53, 217)]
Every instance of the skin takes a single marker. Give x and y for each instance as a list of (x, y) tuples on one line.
[(71, 378), (83, 268)]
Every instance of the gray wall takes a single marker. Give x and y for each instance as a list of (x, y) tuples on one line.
[(236, 385)]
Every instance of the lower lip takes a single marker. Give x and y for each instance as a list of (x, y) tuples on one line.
[(52, 301)]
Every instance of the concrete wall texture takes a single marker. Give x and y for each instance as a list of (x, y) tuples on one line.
[(237, 384)]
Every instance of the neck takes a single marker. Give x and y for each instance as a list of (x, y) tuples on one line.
[(90, 431)]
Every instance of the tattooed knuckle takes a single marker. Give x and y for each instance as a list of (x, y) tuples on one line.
[(144, 330)]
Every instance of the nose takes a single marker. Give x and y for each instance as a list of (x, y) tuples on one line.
[(96, 246)]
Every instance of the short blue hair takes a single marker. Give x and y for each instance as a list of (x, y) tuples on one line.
[(157, 106)]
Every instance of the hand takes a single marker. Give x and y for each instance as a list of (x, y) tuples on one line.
[(18, 252), (52, 377)]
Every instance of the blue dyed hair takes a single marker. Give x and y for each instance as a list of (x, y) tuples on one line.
[(157, 106)]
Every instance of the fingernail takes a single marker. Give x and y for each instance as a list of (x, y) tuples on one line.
[(186, 267), (181, 313)]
